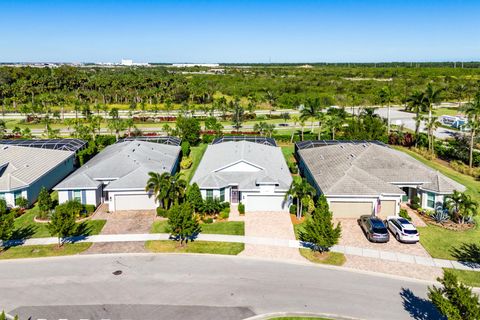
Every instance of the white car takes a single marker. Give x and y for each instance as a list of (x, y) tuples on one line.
[(403, 230)]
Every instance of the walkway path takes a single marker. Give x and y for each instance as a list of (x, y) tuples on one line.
[(348, 250)]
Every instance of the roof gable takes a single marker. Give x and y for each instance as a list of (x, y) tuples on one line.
[(240, 166)]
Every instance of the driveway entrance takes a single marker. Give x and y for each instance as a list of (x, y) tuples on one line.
[(270, 225)]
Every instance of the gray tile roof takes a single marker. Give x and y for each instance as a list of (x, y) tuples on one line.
[(127, 164), (370, 169), (21, 166), (268, 159)]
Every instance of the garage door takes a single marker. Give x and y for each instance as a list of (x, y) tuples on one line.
[(264, 203), (388, 208), (350, 209), (134, 202)]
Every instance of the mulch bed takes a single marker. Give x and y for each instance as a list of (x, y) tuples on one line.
[(450, 225)]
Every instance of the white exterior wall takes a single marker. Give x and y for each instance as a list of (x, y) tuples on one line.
[(10, 198), (439, 198), (216, 193), (91, 196)]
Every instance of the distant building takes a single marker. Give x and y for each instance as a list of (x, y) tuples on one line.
[(190, 65), (130, 63)]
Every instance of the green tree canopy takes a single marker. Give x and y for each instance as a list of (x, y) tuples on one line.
[(183, 223)]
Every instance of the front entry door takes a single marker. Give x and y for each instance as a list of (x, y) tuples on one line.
[(234, 194)]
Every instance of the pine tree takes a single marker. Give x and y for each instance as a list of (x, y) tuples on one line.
[(455, 300), (7, 221), (183, 223), (319, 229), (194, 196), (62, 223), (45, 202)]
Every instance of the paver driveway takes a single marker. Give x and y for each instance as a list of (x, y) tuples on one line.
[(272, 225), (123, 222), (352, 235)]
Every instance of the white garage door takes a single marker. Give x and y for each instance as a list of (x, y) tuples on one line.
[(350, 209), (134, 202), (264, 203)]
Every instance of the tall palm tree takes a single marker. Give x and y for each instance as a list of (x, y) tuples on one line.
[(460, 91), (472, 110), (416, 103), (178, 188), (386, 97), (432, 97), (311, 109), (336, 119), (431, 124), (295, 120)]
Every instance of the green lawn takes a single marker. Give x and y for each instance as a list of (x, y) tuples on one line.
[(453, 111), (470, 278), (224, 227), (438, 241), (196, 153), (25, 227), (44, 251), (288, 151), (227, 248), (332, 258)]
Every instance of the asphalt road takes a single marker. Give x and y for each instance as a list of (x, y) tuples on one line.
[(199, 287)]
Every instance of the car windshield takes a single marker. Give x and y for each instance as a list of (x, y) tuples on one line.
[(410, 231), (403, 221), (380, 230)]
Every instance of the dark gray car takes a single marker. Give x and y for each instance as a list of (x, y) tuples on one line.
[(374, 228)]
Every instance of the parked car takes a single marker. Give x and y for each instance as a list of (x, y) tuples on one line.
[(374, 228), (402, 229)]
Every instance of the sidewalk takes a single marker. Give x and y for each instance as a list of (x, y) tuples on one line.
[(348, 250)]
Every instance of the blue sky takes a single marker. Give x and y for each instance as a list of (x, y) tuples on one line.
[(239, 31)]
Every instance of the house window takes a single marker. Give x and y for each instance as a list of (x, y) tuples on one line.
[(209, 194), (17, 195), (431, 200), (77, 195), (222, 194)]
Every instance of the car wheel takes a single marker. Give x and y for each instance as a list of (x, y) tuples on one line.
[(397, 237)]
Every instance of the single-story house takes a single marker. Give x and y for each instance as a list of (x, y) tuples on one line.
[(254, 173), (118, 175), (368, 177), (25, 170)]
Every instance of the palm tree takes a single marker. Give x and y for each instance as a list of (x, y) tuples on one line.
[(159, 185), (472, 110), (178, 188), (311, 109), (432, 97), (302, 192), (416, 103), (295, 120), (386, 96), (432, 124), (461, 206), (460, 91)]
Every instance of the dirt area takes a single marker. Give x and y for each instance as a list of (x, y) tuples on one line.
[(270, 225), (352, 235), (396, 268)]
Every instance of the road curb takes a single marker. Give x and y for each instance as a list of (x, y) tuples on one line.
[(267, 316)]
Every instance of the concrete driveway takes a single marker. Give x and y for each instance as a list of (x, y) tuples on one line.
[(272, 225), (352, 235)]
